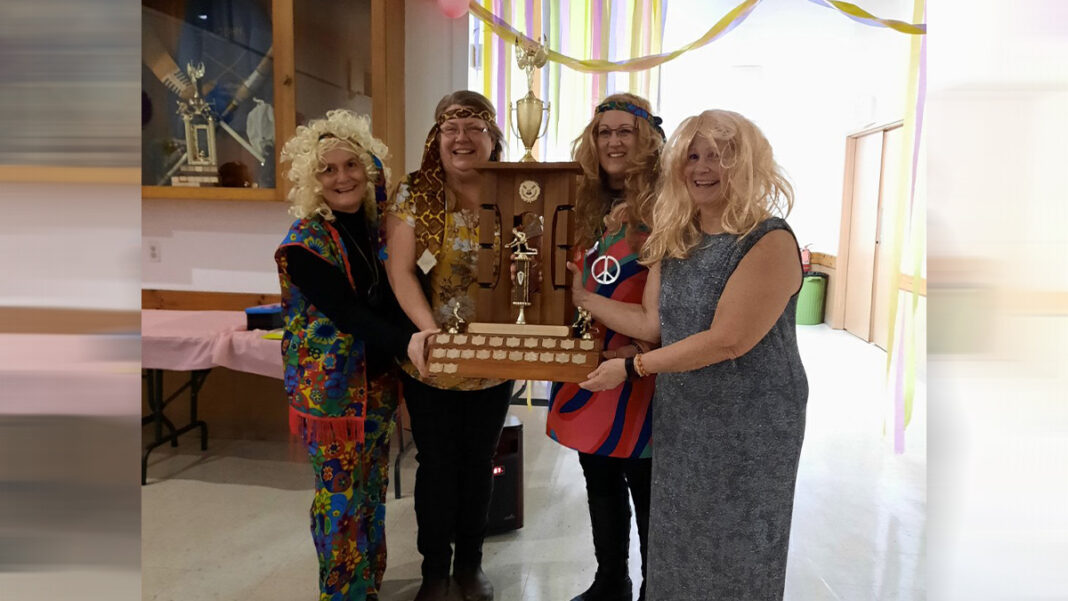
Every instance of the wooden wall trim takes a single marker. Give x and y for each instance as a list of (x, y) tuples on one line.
[(907, 283), (387, 80), (43, 320), (285, 93), (823, 259), (197, 300), (55, 174)]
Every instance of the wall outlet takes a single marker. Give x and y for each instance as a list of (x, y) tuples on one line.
[(154, 253)]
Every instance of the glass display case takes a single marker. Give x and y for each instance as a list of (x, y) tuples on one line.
[(226, 82), (207, 94)]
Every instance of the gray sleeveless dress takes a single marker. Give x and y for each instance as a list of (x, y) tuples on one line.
[(728, 438)]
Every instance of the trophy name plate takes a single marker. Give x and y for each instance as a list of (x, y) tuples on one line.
[(514, 351), (519, 329)]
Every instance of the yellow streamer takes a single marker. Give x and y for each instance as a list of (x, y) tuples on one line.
[(510, 35), (855, 11)]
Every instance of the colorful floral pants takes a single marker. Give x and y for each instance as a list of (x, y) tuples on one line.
[(348, 513)]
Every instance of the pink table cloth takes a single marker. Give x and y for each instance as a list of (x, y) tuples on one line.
[(67, 374), (250, 352), (184, 340), (188, 340)]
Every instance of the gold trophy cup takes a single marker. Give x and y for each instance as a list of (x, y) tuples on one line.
[(531, 114)]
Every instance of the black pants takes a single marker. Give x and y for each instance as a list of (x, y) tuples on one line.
[(456, 434), (611, 482), (614, 476)]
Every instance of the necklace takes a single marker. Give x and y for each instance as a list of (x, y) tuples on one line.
[(372, 266), (606, 269)]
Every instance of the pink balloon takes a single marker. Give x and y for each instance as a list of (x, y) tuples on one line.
[(453, 9)]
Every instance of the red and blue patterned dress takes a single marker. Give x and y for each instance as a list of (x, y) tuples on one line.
[(616, 422)]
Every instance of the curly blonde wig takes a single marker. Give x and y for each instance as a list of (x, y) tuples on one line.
[(304, 151), (754, 185), (639, 188)]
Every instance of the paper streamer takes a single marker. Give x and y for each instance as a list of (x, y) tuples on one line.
[(860, 15), (729, 21), (900, 357)]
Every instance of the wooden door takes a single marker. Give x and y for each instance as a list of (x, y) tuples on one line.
[(880, 301), (863, 227)]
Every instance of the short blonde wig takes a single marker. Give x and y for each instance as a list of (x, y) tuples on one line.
[(339, 129), (754, 185)]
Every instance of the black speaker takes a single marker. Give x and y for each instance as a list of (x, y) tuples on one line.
[(506, 504)]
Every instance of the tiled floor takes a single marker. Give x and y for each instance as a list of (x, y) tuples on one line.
[(230, 524)]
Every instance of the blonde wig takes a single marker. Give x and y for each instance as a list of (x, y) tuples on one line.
[(754, 185), (639, 187), (304, 151)]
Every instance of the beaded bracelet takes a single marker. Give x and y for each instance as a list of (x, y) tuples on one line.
[(638, 366)]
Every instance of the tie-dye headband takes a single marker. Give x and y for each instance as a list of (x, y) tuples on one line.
[(637, 111)]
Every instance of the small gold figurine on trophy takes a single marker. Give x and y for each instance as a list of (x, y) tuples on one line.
[(581, 327), (530, 112), (522, 258)]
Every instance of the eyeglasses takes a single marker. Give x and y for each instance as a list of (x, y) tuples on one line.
[(625, 133), (450, 130)]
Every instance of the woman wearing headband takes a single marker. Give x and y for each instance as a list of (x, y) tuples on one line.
[(610, 429), (343, 330), (731, 390), (433, 241)]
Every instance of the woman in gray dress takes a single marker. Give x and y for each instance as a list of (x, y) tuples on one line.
[(729, 410)]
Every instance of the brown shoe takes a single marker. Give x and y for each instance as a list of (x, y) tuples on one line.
[(474, 586), (433, 589)]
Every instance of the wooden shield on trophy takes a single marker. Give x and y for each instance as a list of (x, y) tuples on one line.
[(523, 330)]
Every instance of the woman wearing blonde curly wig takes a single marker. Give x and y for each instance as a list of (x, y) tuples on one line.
[(619, 153), (731, 390), (343, 330)]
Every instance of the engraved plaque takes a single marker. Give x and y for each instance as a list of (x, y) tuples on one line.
[(522, 330)]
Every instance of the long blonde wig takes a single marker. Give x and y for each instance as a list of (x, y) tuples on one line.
[(639, 187), (754, 185), (339, 129)]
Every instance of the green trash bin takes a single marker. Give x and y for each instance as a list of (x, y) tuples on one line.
[(810, 299)]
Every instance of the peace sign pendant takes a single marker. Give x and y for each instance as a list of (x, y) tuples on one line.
[(605, 269)]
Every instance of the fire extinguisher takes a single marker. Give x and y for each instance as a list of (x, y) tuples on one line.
[(806, 259)]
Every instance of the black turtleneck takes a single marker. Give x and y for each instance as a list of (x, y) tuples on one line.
[(370, 311)]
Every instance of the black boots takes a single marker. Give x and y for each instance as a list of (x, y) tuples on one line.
[(473, 584), (610, 519), (433, 589)]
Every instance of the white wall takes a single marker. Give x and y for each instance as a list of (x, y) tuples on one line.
[(70, 246), (806, 75), (227, 246), (222, 246), (435, 64)]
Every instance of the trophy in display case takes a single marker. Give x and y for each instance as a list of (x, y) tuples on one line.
[(524, 329), (201, 164)]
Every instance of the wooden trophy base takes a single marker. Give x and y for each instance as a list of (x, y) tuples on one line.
[(515, 352)]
